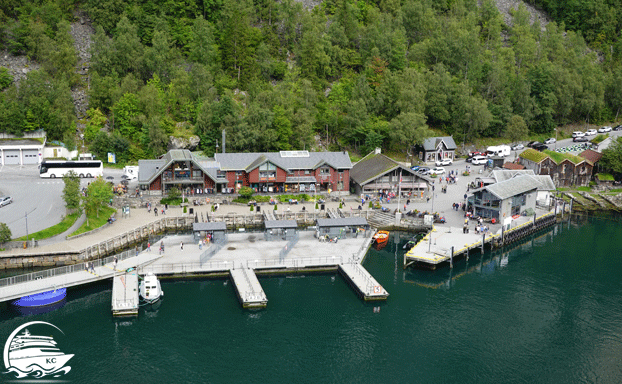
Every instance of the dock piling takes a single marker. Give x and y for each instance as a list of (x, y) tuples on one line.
[(451, 258)]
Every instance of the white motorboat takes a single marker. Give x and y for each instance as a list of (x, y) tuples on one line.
[(150, 289)]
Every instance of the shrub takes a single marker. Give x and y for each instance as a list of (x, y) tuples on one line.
[(276, 206), (252, 207), (246, 192), (371, 205), (185, 209)]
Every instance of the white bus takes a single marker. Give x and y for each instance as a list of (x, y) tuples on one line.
[(83, 168)]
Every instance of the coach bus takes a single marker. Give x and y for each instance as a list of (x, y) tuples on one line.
[(82, 168)]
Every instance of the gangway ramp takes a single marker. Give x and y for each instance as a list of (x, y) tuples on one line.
[(248, 289)]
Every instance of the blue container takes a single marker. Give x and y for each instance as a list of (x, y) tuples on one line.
[(40, 299)]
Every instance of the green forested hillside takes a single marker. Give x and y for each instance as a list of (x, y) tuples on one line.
[(274, 74)]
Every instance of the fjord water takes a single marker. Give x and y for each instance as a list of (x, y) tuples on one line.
[(547, 310)]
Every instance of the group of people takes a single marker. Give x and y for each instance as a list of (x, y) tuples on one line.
[(458, 206), (452, 178)]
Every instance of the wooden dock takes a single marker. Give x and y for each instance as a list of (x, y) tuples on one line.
[(248, 289), (444, 244), (364, 283), (125, 294)]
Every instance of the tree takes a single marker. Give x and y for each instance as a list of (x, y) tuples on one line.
[(98, 194), (71, 191), (5, 233), (612, 156), (516, 129)]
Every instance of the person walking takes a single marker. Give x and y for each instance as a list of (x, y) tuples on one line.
[(200, 244), (148, 247), (181, 245), (114, 263)]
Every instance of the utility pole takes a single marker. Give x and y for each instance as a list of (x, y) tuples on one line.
[(26, 216)]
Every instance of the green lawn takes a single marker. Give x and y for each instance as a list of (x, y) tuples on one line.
[(53, 230), (94, 221)]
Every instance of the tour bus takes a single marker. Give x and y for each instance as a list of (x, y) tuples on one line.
[(82, 168)]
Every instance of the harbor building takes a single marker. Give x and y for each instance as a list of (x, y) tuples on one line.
[(436, 148), (376, 172), (511, 195), (285, 171)]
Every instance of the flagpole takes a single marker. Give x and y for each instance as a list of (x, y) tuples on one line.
[(399, 191)]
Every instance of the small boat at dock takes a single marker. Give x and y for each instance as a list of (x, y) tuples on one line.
[(150, 289), (381, 237), (41, 299)]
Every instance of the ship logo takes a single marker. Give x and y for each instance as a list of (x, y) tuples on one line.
[(28, 355)]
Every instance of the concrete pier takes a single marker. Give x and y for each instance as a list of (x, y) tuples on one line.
[(364, 283), (248, 289), (125, 294)]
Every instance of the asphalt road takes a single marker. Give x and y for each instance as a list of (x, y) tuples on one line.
[(37, 203)]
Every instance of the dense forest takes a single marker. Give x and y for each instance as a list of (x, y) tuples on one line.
[(275, 75)]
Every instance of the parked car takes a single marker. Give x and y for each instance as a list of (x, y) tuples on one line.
[(518, 147), (604, 129), (533, 143), (443, 162), (415, 168), (578, 134), (590, 132), (550, 140), (479, 160), (580, 139), (540, 147), (423, 170), (5, 200), (437, 171), (618, 128)]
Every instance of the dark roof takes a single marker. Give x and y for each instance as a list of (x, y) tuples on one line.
[(211, 226), (341, 222), (431, 143), (303, 160), (373, 166), (591, 156), (148, 170), (270, 224)]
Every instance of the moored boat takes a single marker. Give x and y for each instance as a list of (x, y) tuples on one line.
[(381, 236), (150, 289), (41, 299)]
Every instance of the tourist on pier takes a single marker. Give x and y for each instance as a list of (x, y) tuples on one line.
[(200, 244), (148, 247), (181, 245), (155, 210), (114, 263)]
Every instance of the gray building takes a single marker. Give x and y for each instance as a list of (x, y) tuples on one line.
[(436, 148), (507, 198)]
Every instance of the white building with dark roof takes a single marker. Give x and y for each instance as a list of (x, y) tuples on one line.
[(436, 148)]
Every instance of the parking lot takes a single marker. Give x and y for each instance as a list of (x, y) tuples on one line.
[(37, 203)]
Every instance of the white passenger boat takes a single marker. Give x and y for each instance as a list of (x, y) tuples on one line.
[(150, 289)]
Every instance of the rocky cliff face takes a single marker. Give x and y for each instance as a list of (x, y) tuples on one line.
[(183, 143)]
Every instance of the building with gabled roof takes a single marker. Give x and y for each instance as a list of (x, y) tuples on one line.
[(436, 148), (565, 169), (285, 171), (509, 197), (377, 172)]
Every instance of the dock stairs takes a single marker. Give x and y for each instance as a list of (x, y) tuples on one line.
[(381, 219)]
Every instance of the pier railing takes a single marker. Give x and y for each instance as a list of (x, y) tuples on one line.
[(8, 281), (295, 263), (212, 266)]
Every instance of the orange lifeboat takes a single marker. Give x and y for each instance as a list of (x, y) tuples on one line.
[(381, 237)]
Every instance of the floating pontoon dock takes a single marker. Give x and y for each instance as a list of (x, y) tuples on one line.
[(125, 294)]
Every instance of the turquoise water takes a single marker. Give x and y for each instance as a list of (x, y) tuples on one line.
[(548, 310)]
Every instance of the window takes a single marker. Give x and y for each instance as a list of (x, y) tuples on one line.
[(267, 167), (197, 174), (325, 171), (221, 174)]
